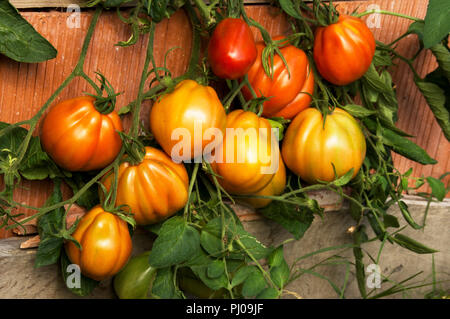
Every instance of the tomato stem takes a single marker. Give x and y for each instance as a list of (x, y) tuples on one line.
[(359, 15)]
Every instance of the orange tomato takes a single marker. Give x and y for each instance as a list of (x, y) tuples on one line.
[(192, 109), (106, 244), (343, 51), (289, 92), (78, 137), (245, 158), (309, 148), (154, 189)]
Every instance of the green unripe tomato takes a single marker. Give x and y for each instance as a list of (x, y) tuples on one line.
[(135, 280)]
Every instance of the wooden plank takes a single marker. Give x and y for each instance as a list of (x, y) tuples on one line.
[(25, 87)]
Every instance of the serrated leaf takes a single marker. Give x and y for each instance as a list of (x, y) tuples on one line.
[(291, 217), (289, 7), (176, 243), (251, 245), (438, 98), (437, 23), (437, 188), (358, 110), (19, 40), (401, 145)]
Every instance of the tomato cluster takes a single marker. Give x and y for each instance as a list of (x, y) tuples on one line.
[(79, 137)]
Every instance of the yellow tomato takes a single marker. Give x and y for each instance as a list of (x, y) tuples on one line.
[(275, 187), (154, 189), (106, 244), (245, 159), (184, 116), (310, 148)]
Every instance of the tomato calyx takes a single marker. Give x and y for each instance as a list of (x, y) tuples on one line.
[(326, 14), (104, 104)]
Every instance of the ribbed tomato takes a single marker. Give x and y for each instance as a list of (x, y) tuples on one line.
[(275, 187), (245, 159), (289, 92), (343, 51), (231, 49), (106, 244), (154, 189), (80, 138), (180, 120), (309, 148)]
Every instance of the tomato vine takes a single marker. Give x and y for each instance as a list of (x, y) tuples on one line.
[(205, 241)]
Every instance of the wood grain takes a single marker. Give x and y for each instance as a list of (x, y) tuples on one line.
[(24, 88)]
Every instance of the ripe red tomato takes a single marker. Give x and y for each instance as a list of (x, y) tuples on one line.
[(289, 92), (106, 244), (231, 49), (310, 148), (80, 138), (343, 51)]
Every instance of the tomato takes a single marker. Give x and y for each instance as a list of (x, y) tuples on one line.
[(135, 280), (80, 138), (106, 244), (245, 158), (275, 187), (231, 49), (343, 51), (183, 116), (154, 189), (309, 148), (289, 92)]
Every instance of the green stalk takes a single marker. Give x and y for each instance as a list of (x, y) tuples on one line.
[(359, 15)]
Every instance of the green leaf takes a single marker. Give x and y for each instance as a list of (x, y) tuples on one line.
[(407, 215), (417, 27), (400, 144), (390, 221), (344, 179), (176, 243), (289, 7), (268, 293), (19, 40), (211, 235), (437, 23), (290, 216), (279, 269), (86, 285), (214, 283), (164, 286), (411, 244), (251, 245), (437, 188), (254, 284), (442, 54), (49, 225), (358, 110), (242, 274), (438, 102), (216, 269)]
